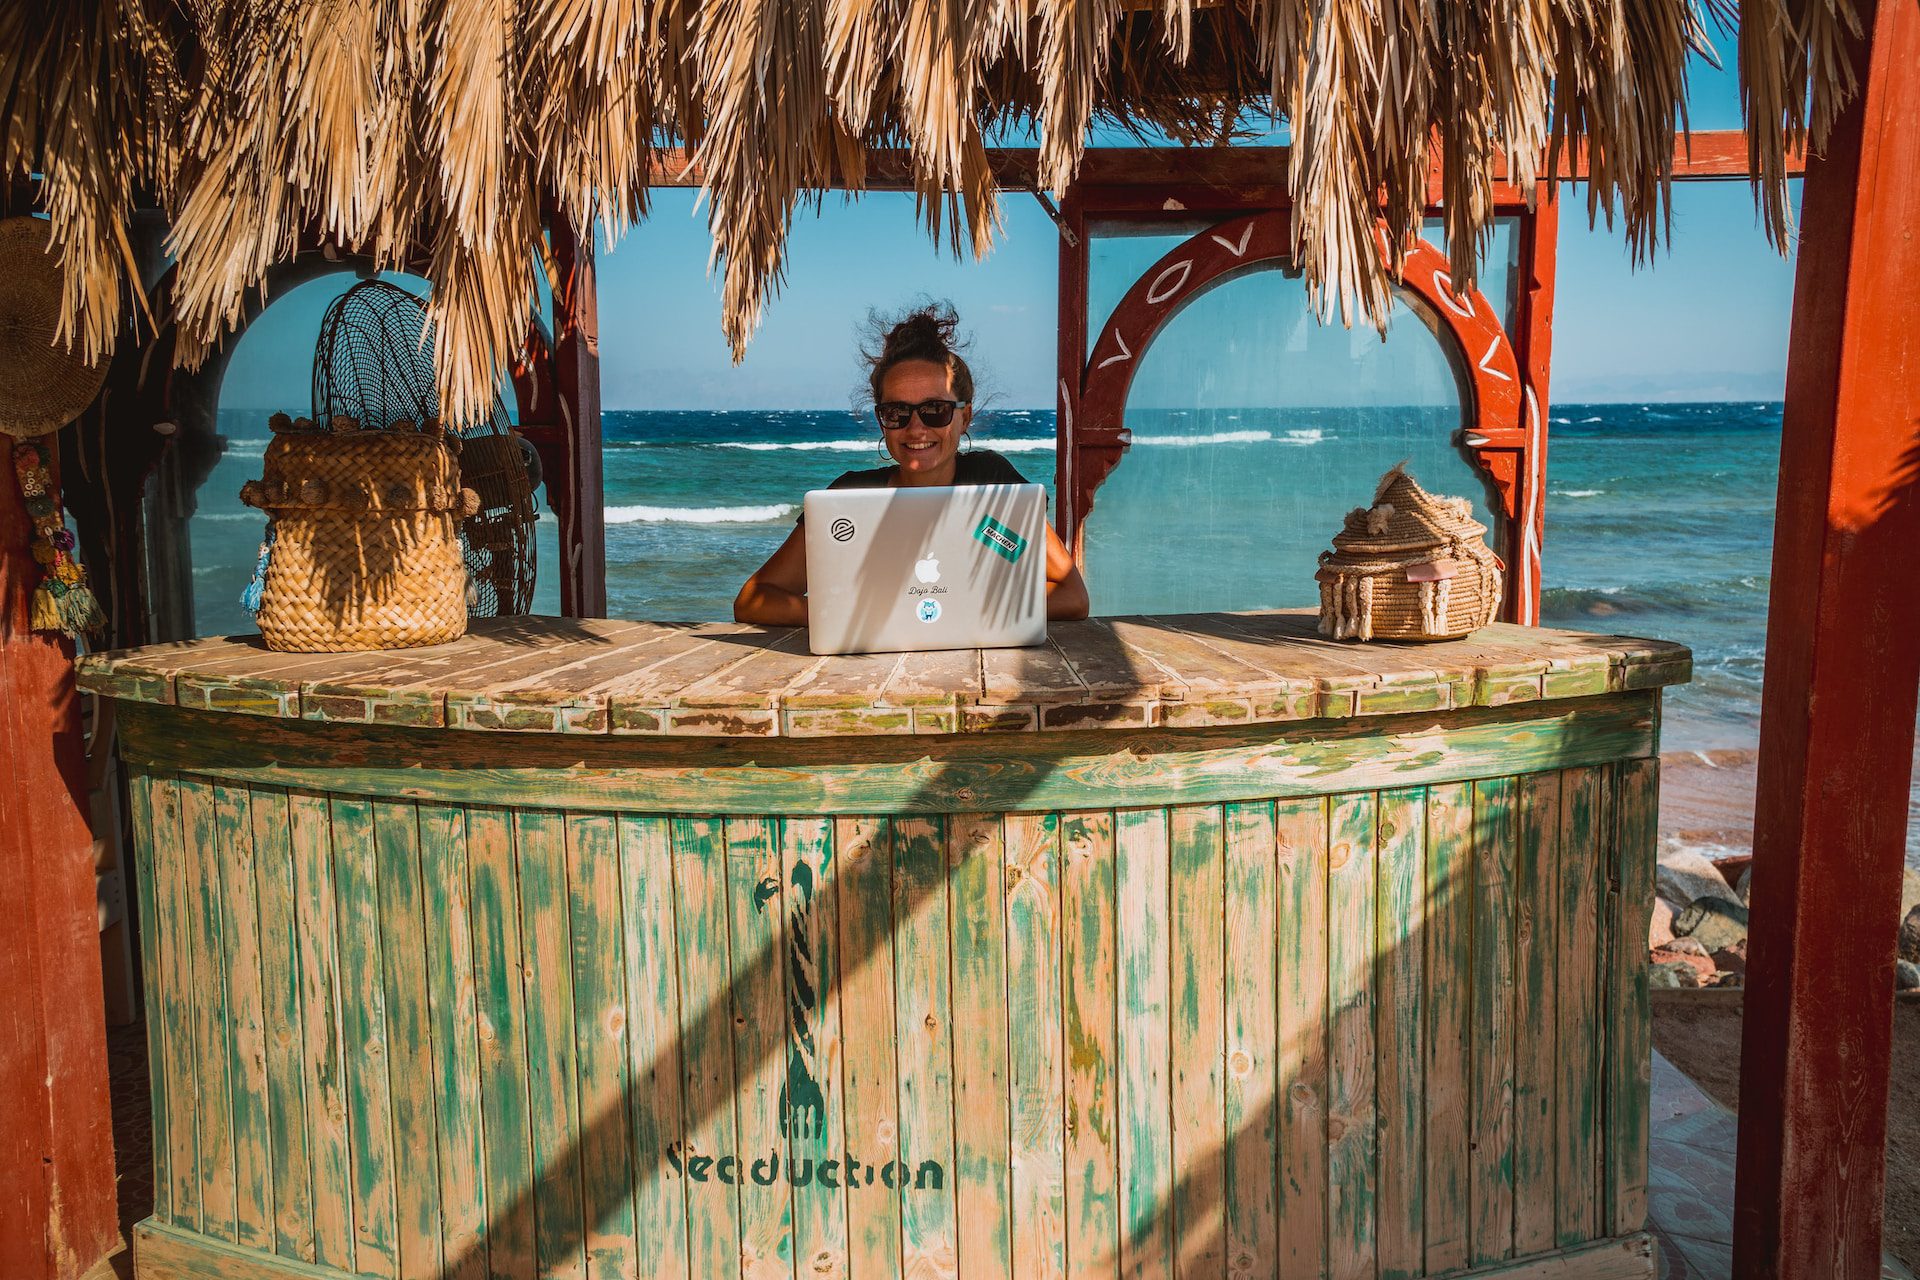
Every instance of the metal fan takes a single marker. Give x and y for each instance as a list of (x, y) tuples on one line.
[(374, 364)]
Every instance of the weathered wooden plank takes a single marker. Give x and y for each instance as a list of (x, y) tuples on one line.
[(175, 1253), (365, 1042), (955, 774), (706, 1052), (169, 970), (1449, 964), (758, 992), (1491, 1225), (1229, 654), (864, 872), (1584, 849), (280, 941), (569, 694), (404, 930), (923, 1018), (1630, 1048), (1110, 671), (656, 1069), (559, 1225), (454, 1040), (140, 783), (1536, 892), (1029, 677), (600, 1042), (1252, 1062), (1036, 1059), (935, 684), (1399, 1034), (208, 1001), (323, 1066), (982, 1175), (246, 1045), (812, 1117), (760, 683), (1197, 962), (1352, 1106), (500, 1011), (1087, 955), (641, 702), (1300, 831), (1145, 1037)]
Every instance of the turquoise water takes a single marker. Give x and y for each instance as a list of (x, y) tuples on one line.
[(1659, 517)]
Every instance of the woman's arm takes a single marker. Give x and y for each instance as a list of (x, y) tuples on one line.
[(776, 594), (1066, 589)]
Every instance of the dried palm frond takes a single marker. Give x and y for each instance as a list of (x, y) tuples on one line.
[(455, 130)]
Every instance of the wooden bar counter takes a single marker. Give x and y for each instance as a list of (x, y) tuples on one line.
[(1192, 946)]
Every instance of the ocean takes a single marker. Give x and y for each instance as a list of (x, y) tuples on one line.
[(1659, 519)]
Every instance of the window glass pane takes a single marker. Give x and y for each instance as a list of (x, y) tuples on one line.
[(1255, 430), (1499, 270), (1118, 254)]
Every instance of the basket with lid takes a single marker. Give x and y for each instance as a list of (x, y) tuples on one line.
[(1413, 566), (365, 545)]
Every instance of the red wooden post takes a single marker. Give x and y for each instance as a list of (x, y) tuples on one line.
[(1533, 340), (1843, 662), (1071, 357), (576, 376), (57, 1212)]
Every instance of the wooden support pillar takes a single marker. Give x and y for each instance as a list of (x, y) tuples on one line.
[(1837, 721), (1070, 359), (581, 504), (1533, 341), (57, 1213)]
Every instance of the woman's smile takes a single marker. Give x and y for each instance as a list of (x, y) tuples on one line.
[(925, 454)]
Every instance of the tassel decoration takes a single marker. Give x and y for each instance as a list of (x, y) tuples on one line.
[(256, 588), (63, 601)]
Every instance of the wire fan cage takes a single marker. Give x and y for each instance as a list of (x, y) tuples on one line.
[(374, 365)]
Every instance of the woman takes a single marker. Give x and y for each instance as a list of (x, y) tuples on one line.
[(923, 397)]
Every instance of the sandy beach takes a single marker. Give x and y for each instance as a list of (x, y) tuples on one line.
[(1706, 803)]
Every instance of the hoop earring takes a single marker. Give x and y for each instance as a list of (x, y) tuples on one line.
[(966, 439), (882, 450)]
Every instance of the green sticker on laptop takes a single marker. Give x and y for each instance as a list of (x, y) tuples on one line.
[(1001, 539)]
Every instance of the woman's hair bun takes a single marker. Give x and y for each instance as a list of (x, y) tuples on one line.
[(928, 332)]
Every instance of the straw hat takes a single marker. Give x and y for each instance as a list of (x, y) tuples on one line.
[(46, 385)]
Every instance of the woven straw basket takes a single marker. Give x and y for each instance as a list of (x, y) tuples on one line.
[(366, 545), (1412, 566)]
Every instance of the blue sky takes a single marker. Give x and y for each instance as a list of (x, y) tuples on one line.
[(1707, 320)]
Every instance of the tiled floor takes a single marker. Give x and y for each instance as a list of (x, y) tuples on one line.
[(1690, 1183)]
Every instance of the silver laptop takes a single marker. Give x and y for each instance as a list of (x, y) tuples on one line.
[(939, 568)]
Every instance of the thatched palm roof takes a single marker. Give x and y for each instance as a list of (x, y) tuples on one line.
[(382, 124)]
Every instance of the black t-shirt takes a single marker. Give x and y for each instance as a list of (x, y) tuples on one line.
[(976, 466)]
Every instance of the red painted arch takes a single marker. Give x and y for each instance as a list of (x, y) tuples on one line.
[(1504, 430)]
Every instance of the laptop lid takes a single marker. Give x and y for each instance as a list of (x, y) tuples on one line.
[(890, 570)]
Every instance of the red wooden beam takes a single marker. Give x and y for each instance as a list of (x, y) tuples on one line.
[(1250, 176), (57, 1211), (1837, 709)]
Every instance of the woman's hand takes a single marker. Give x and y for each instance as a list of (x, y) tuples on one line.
[(776, 594), (1066, 589)]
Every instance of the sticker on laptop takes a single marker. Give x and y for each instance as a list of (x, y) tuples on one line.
[(1002, 540), (929, 609)]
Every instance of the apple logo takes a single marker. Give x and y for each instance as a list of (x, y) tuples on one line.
[(927, 570)]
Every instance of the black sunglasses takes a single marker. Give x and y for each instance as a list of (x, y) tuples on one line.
[(895, 414)]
